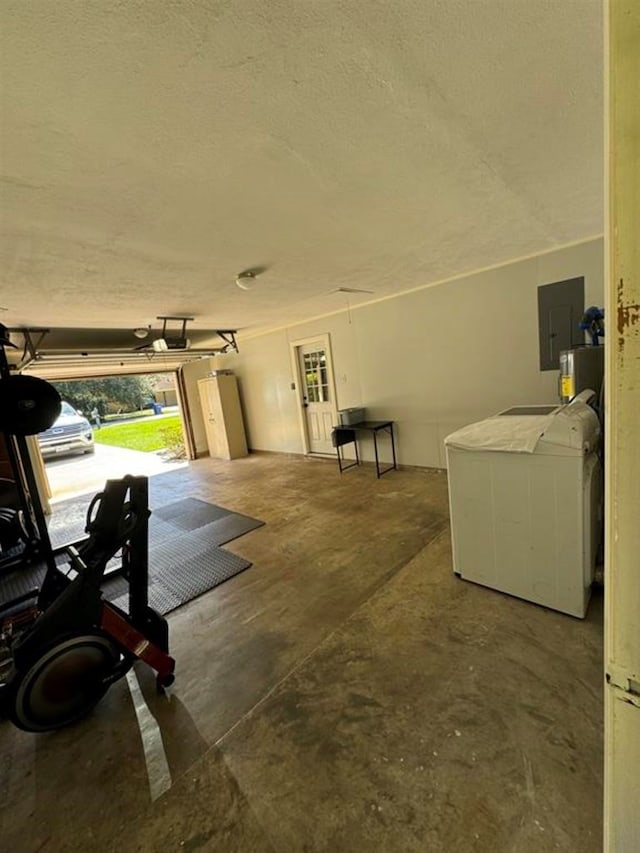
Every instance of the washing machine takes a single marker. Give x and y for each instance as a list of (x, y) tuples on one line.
[(526, 501)]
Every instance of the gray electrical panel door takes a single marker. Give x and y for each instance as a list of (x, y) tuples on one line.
[(560, 309)]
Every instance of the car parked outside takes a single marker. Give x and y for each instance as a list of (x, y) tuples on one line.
[(71, 433)]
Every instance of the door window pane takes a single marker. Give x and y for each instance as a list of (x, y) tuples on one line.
[(316, 377)]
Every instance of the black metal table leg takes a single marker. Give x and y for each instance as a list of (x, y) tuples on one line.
[(375, 447), (393, 448), (387, 428), (340, 438)]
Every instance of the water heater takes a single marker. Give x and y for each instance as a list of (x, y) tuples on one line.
[(580, 368)]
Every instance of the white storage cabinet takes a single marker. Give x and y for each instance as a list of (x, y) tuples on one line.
[(222, 416)]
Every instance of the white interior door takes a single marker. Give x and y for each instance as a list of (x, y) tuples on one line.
[(317, 395)]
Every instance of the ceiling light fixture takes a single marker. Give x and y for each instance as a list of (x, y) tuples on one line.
[(245, 280)]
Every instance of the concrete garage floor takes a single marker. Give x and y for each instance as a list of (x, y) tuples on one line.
[(346, 693)]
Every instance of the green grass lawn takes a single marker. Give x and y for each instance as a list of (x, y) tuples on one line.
[(145, 435)]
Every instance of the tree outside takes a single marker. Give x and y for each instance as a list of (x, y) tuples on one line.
[(108, 395)]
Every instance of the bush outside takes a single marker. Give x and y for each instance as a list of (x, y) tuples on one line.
[(171, 431)]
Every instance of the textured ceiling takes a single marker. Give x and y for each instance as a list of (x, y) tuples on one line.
[(152, 150)]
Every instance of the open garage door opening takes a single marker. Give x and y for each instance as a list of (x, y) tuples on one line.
[(109, 427)]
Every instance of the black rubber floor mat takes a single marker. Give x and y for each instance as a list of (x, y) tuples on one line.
[(160, 531), (231, 527), (72, 532), (180, 548), (179, 570), (175, 582), (20, 581), (67, 524), (185, 558), (196, 576), (17, 583), (67, 534), (191, 513)]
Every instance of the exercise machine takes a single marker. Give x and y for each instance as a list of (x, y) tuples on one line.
[(62, 646)]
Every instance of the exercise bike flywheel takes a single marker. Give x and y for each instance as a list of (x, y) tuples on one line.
[(63, 684)]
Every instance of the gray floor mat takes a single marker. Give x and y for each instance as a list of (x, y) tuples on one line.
[(231, 527), (185, 558), (15, 584), (180, 569), (68, 522), (191, 513), (160, 531), (160, 598), (175, 581), (70, 533)]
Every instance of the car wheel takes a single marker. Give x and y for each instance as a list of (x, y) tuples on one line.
[(90, 450)]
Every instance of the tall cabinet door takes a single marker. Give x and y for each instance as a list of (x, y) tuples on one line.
[(222, 416), (212, 417)]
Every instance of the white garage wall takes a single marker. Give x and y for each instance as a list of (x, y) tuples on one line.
[(269, 405), (432, 360)]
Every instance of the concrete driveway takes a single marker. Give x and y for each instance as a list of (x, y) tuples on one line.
[(79, 475)]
